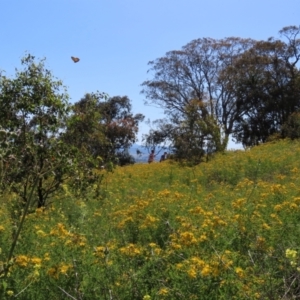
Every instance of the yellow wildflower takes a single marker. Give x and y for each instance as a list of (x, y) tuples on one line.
[(192, 273), (278, 207), (257, 295), (36, 261), (63, 269), (62, 230), (197, 261), (291, 254), (206, 270), (100, 251), (22, 260), (238, 203), (202, 238), (294, 206), (175, 246), (239, 271), (293, 263), (163, 291), (164, 193), (130, 250), (39, 211), (187, 238), (266, 226), (9, 293), (41, 233), (148, 221), (53, 272)]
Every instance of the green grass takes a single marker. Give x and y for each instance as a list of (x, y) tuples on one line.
[(220, 230)]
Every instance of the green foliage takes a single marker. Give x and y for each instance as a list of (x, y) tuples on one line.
[(197, 136), (239, 87), (102, 127), (84, 128), (34, 162), (124, 158), (226, 229), (291, 128), (33, 109)]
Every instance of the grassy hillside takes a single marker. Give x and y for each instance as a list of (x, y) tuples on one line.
[(226, 229)]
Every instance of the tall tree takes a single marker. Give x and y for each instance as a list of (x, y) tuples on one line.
[(33, 108), (103, 127), (191, 75), (121, 125), (264, 81), (84, 128)]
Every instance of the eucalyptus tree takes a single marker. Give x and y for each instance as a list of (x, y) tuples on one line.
[(121, 125), (186, 84), (264, 81)]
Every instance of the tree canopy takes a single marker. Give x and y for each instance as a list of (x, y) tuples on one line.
[(211, 89), (103, 126), (44, 139), (33, 110)]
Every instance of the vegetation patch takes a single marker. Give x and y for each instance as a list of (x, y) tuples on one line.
[(226, 229)]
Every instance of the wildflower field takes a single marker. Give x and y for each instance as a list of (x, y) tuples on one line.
[(225, 229)]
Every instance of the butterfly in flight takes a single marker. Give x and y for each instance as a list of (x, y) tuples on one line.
[(75, 59)]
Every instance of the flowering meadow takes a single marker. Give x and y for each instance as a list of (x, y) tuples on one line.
[(228, 228)]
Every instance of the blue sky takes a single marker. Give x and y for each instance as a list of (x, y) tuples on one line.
[(115, 39)]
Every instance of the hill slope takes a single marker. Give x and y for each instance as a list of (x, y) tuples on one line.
[(226, 229)]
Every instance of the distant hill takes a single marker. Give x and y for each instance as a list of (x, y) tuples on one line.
[(142, 158)]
